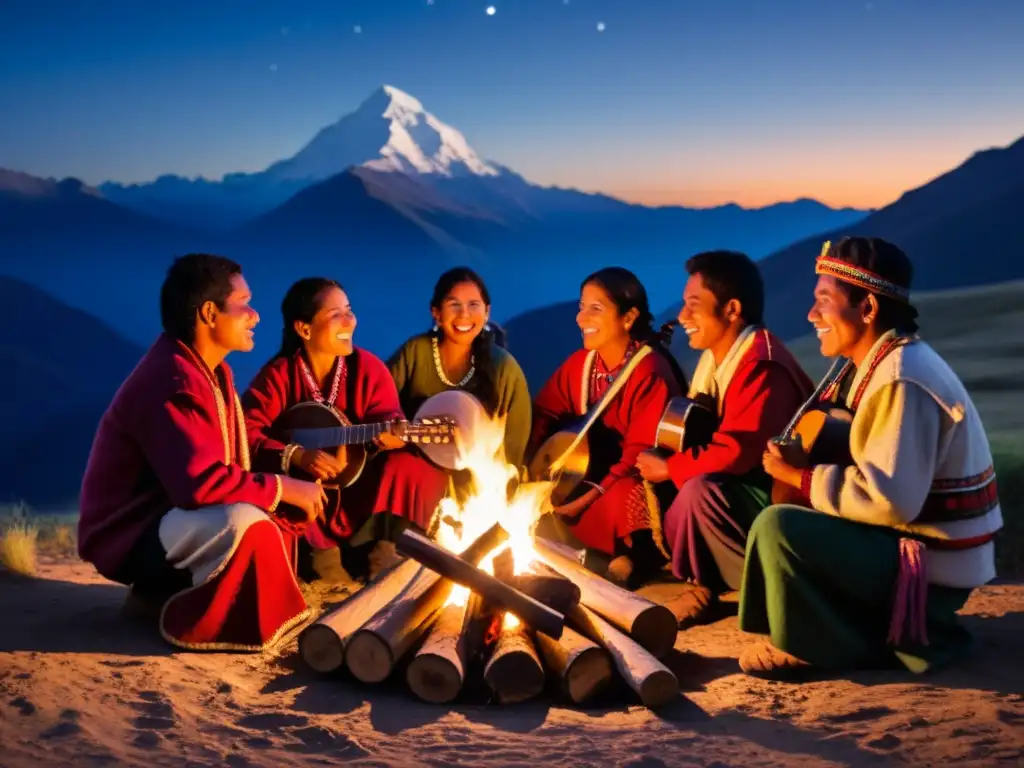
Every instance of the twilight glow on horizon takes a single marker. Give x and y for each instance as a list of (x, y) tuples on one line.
[(693, 102)]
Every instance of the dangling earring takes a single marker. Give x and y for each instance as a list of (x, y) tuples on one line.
[(435, 328)]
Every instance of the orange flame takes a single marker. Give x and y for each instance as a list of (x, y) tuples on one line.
[(489, 503)]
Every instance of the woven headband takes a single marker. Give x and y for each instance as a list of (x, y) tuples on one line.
[(863, 278)]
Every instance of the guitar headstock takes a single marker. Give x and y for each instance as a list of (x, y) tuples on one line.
[(436, 429)]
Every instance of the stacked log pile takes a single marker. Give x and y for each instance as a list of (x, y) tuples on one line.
[(449, 623)]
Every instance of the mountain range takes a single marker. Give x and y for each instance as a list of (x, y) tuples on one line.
[(960, 229), (384, 200), (388, 190)]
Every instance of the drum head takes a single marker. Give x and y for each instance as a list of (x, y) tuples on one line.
[(470, 419)]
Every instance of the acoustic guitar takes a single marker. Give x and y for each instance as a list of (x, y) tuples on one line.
[(819, 433), (687, 422), (560, 461), (565, 459), (321, 427)]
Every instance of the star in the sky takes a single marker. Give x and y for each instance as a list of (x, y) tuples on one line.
[(357, 29), (600, 26), (491, 10)]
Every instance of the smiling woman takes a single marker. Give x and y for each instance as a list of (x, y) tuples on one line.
[(613, 515), (319, 364), (459, 353)]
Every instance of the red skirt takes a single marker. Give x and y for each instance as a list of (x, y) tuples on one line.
[(247, 606), (615, 515), (410, 486)]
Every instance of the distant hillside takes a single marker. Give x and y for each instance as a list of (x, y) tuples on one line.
[(61, 367), (961, 229), (32, 208), (541, 339)]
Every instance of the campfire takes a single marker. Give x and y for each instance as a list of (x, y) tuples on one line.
[(487, 593)]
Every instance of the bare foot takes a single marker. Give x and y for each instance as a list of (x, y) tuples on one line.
[(765, 660), (383, 556), (694, 606), (619, 569)]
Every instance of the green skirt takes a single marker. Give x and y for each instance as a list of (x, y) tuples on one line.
[(821, 588)]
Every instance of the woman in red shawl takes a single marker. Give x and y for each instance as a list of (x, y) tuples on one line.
[(613, 515), (318, 362)]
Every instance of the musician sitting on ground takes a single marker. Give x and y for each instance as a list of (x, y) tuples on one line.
[(756, 386), (897, 540), (318, 362), (613, 516), (459, 353), (169, 504)]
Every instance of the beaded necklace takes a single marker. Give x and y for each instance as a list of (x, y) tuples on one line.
[(440, 368), (340, 373)]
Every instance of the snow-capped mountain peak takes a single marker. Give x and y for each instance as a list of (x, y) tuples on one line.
[(390, 131)]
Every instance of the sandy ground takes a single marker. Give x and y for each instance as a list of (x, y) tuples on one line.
[(80, 685)]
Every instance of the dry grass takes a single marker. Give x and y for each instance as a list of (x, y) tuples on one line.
[(977, 331), (25, 536), (58, 539), (18, 548)]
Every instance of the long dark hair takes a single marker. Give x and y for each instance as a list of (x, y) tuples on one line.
[(301, 303), (484, 383), (627, 292)]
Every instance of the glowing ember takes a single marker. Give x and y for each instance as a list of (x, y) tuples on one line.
[(488, 503)]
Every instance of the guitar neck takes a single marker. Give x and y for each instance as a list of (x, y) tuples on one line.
[(834, 370), (331, 437)]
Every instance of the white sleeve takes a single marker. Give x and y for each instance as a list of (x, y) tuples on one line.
[(894, 441)]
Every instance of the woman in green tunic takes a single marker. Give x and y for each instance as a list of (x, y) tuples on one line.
[(458, 353)]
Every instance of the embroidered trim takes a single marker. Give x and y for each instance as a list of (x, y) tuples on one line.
[(272, 641), (961, 483), (243, 442), (277, 494), (598, 409), (950, 500), (863, 278), (894, 343), (340, 373), (831, 392), (588, 366), (440, 368), (596, 373)]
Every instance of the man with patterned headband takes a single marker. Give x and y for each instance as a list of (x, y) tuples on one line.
[(895, 542)]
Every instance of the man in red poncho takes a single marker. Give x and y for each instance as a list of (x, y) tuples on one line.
[(169, 504), (757, 386)]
